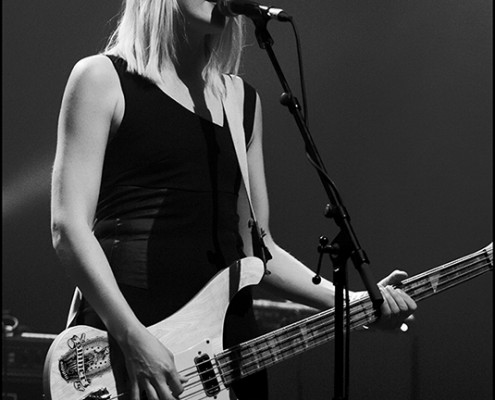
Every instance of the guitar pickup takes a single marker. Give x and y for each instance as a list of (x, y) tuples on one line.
[(207, 375)]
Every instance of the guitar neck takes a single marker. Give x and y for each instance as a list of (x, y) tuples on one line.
[(284, 343)]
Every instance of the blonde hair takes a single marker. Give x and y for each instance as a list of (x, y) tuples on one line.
[(146, 37)]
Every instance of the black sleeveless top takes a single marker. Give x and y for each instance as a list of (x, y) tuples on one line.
[(167, 212), (166, 216)]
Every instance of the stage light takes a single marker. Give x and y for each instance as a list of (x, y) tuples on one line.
[(29, 184)]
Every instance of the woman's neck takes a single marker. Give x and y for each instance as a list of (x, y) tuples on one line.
[(191, 59), (185, 82)]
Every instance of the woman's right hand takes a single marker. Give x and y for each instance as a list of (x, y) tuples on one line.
[(150, 367)]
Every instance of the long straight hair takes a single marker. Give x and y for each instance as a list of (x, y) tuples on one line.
[(146, 37)]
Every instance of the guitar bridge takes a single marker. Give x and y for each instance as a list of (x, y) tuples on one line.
[(207, 375)]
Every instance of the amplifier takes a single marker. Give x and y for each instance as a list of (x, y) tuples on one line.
[(23, 357)]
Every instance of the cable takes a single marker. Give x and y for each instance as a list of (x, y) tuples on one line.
[(305, 109), (301, 72)]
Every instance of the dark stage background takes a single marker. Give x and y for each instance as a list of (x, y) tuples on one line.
[(400, 96)]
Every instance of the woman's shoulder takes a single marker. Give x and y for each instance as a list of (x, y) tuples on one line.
[(238, 81), (93, 85), (240, 85), (96, 71)]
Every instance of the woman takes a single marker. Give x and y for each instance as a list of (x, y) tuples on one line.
[(145, 195)]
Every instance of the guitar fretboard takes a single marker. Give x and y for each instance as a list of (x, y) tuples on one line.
[(281, 344)]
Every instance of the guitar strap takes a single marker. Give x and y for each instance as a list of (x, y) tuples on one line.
[(74, 308), (234, 110)]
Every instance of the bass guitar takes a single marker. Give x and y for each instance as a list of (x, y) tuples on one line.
[(79, 364)]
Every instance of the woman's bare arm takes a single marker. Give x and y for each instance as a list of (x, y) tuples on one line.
[(91, 108), (290, 278)]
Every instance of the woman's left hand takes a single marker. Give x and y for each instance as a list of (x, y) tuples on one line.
[(397, 305)]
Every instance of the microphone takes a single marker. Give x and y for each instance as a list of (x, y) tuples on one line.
[(231, 8)]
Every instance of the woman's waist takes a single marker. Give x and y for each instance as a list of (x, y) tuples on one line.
[(163, 226), (145, 208)]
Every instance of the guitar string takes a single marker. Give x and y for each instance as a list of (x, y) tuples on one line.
[(488, 251), (356, 323), (353, 305), (457, 273), (361, 320), (186, 387), (296, 348), (189, 395), (194, 368), (192, 384), (409, 281)]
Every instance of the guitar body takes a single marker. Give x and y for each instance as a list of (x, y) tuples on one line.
[(81, 365)]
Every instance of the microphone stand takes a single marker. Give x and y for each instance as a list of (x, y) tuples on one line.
[(345, 245)]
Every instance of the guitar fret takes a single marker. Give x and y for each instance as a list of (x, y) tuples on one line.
[(426, 290), (365, 313), (266, 354), (300, 340), (450, 276), (257, 356), (272, 348), (295, 340)]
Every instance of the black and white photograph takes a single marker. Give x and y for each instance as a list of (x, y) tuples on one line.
[(238, 200)]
